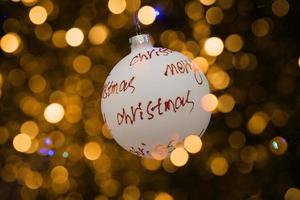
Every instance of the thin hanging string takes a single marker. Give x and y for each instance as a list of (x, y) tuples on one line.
[(137, 25)]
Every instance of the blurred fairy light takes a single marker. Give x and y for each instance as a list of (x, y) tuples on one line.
[(214, 15), (59, 39), (22, 142), (202, 63), (65, 154), (30, 128), (116, 6), (237, 139), (234, 43), (29, 2), (33, 180), (92, 150), (147, 15), (280, 8), (226, 103), (59, 174), (37, 83), (194, 10), (10, 42), (131, 192), (292, 194), (219, 166), (151, 164), (82, 64), (163, 196), (209, 102), (260, 27), (54, 113), (133, 5), (192, 144), (74, 37), (38, 15), (98, 34), (278, 145), (213, 46), (179, 157), (207, 2), (258, 122)]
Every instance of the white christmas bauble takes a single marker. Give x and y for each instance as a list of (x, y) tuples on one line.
[(152, 99)]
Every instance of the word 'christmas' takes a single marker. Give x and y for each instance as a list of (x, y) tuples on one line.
[(151, 109), (184, 67), (155, 52), (112, 87)]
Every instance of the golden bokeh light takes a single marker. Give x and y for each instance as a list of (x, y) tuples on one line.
[(280, 8), (82, 64), (260, 27), (22, 142), (116, 6), (146, 15), (278, 145), (59, 39), (30, 128), (38, 15), (226, 103), (133, 5), (192, 143), (248, 154), (73, 113), (226, 4), (74, 37), (151, 164), (92, 150), (209, 102), (29, 2), (10, 42), (59, 174), (43, 32), (219, 166), (218, 79), (168, 165), (179, 157), (213, 46), (98, 34), (131, 192), (106, 132), (37, 83), (258, 122), (292, 194), (202, 63), (237, 139), (214, 15), (163, 196), (16, 77), (3, 134), (33, 180), (54, 113), (207, 2), (194, 10), (234, 43)]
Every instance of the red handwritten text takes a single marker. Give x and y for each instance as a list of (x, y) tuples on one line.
[(155, 52), (151, 109), (184, 66), (117, 87)]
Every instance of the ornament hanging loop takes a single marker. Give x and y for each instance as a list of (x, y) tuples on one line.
[(137, 25)]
